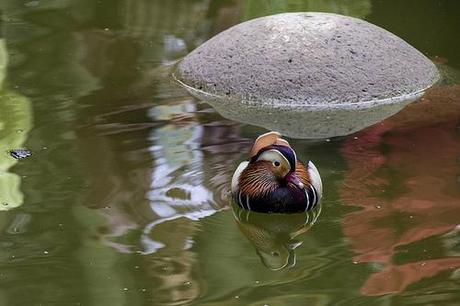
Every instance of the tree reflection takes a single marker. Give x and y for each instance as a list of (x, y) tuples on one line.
[(404, 174), (15, 124)]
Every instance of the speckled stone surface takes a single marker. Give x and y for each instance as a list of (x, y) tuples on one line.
[(305, 62)]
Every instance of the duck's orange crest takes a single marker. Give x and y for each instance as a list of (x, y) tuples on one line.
[(267, 139)]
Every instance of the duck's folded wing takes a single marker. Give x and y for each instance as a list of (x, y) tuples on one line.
[(236, 176), (315, 179)]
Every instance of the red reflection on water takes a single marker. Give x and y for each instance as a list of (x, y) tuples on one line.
[(404, 174)]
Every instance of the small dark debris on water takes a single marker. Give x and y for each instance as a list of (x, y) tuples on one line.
[(20, 153)]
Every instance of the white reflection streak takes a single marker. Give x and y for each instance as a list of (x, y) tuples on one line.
[(178, 167)]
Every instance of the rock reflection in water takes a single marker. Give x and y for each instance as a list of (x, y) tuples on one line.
[(274, 235), (317, 121)]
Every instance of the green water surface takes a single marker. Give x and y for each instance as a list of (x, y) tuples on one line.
[(125, 198)]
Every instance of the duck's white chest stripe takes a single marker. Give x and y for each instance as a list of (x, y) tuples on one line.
[(311, 196), (315, 196), (315, 192), (307, 199), (239, 199), (243, 204), (247, 202)]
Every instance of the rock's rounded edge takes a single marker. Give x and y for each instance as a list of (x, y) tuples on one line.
[(272, 104), (275, 103)]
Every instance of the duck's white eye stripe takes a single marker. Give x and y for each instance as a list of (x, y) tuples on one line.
[(274, 156)]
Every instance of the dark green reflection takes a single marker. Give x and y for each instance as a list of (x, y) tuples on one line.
[(355, 8), (427, 25)]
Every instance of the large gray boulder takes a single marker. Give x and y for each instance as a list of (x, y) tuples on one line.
[(307, 75)]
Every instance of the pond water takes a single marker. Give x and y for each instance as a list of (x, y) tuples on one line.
[(124, 200)]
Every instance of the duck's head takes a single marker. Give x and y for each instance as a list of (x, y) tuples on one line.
[(280, 161), (272, 163)]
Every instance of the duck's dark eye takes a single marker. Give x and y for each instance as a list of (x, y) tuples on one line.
[(276, 163)]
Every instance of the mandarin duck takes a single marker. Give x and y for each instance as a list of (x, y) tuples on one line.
[(273, 180)]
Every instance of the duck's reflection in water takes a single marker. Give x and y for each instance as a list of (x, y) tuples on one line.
[(274, 235)]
